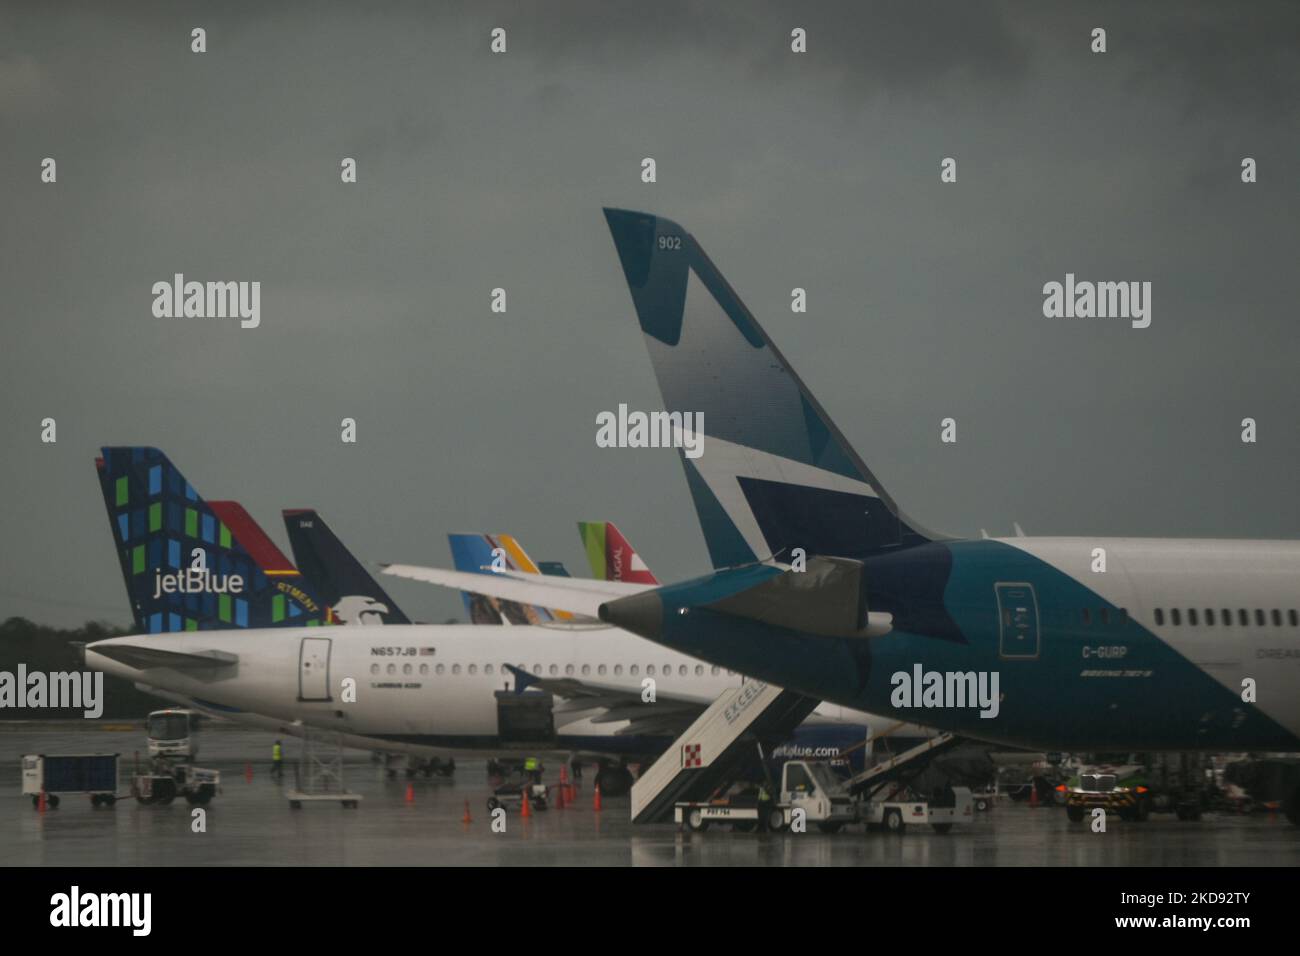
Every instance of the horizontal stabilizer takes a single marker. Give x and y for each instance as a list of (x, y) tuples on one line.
[(828, 598), (577, 595), (144, 658)]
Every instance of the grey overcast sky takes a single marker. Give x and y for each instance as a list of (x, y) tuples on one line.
[(477, 170)]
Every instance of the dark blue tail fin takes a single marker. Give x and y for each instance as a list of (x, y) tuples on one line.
[(339, 578), (189, 565), (772, 472)]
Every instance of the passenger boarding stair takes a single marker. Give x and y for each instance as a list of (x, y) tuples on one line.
[(712, 749)]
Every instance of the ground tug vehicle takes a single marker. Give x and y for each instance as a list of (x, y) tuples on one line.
[(171, 772), (810, 792)]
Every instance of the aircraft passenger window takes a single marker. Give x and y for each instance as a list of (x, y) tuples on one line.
[(668, 670), (714, 671), (618, 670), (424, 670), (1123, 615), (650, 669), (1225, 616), (1191, 616), (1259, 617), (1291, 616), (455, 668), (1209, 616), (1160, 616), (634, 670), (406, 669), (1242, 618), (392, 669), (1175, 616), (681, 670), (1087, 617), (699, 670), (487, 668), (568, 670), (537, 669), (586, 669), (1277, 618), (553, 669), (441, 668), (374, 668), (1105, 616), (600, 669), (473, 668)]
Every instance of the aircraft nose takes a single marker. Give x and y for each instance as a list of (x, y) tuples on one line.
[(642, 614)]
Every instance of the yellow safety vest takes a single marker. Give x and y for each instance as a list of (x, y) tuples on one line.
[(275, 752)]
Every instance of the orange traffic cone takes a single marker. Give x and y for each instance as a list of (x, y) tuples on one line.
[(248, 773), (559, 797), (524, 810), (40, 802), (466, 818), (1033, 795), (410, 793), (595, 800)]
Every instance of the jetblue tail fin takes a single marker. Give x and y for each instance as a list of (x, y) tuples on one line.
[(775, 473), (337, 576), (190, 565), (610, 555)]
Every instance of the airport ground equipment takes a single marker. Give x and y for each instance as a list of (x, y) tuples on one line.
[(811, 793), (1103, 790), (173, 739), (320, 772), (1140, 784), (706, 757), (512, 794), (56, 774)]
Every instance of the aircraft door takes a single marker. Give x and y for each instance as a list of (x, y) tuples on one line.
[(314, 669), (1017, 620)]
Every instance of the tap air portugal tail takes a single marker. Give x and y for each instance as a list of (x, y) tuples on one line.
[(611, 557), (194, 565)]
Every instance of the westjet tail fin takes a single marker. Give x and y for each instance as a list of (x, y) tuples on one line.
[(190, 565), (352, 593), (775, 473), (610, 555)]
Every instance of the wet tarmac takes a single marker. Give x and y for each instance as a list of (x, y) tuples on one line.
[(251, 823)]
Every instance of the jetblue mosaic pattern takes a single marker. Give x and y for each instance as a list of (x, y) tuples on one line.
[(158, 522)]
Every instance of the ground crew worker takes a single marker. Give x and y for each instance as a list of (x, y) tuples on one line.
[(277, 760), (532, 769)]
